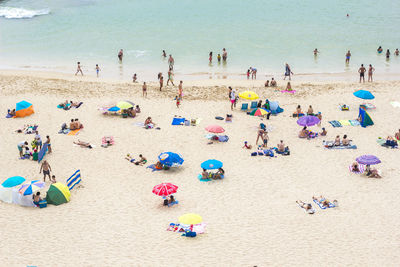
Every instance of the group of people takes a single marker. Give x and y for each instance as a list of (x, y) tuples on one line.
[(253, 72), (362, 71), (380, 50), (372, 173), (142, 160), (36, 146), (69, 104), (272, 83), (75, 125), (224, 56), (210, 175)]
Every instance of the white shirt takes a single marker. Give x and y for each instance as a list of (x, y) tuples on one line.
[(21, 144), (38, 138), (233, 95)]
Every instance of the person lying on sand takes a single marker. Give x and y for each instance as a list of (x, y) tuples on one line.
[(308, 207), (129, 157), (372, 173), (390, 141), (337, 140), (64, 104), (83, 144), (142, 160), (345, 141), (355, 167), (325, 202), (246, 145), (75, 104), (158, 165), (324, 132)]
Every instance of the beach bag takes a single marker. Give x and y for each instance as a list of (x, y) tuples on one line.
[(42, 204), (187, 123), (253, 154), (190, 234)]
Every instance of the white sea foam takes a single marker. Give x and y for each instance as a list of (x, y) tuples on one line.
[(21, 13), (137, 53)]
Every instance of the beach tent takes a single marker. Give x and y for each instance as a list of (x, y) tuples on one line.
[(42, 152), (58, 194), (74, 179), (365, 118), (274, 107), (23, 109), (6, 188), (20, 199)]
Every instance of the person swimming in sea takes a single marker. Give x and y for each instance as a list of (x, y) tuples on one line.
[(348, 55), (379, 50)]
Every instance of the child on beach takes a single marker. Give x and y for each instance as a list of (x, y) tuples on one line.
[(134, 78), (246, 145), (161, 81), (97, 70), (289, 87), (248, 74), (273, 82), (219, 58), (178, 101), (324, 132)]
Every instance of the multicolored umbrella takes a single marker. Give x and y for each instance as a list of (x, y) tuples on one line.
[(190, 218), (215, 129), (29, 189), (13, 181), (308, 121), (258, 112), (170, 159), (363, 94), (58, 194), (124, 105), (249, 95), (368, 160), (211, 164), (115, 109), (165, 189)]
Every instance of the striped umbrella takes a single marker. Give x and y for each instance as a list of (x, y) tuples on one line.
[(29, 189), (165, 189), (258, 112)]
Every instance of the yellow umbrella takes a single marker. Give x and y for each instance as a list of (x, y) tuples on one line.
[(249, 95), (124, 105), (190, 218)]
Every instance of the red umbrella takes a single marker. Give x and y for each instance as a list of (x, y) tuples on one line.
[(215, 129), (164, 189)]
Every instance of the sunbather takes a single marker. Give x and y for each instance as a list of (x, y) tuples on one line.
[(281, 146), (75, 104), (219, 174), (83, 144), (137, 109), (324, 132), (11, 113), (345, 141), (355, 167), (158, 165), (171, 199), (391, 142), (325, 202), (310, 110), (372, 173), (129, 158), (308, 207), (246, 145), (337, 140), (304, 132), (298, 110), (319, 116), (148, 123), (204, 174), (78, 125), (142, 160), (64, 104), (131, 112), (72, 125)]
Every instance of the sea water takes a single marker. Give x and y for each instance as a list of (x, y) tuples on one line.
[(54, 35)]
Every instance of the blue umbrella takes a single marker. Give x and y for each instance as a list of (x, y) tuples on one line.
[(170, 159), (211, 164), (364, 94), (114, 109), (13, 181)]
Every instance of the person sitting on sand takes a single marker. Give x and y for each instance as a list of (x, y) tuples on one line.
[(390, 141), (372, 173), (142, 160), (259, 104), (171, 199), (324, 132), (131, 112), (355, 167), (158, 165), (281, 146), (78, 125), (72, 125), (83, 144), (246, 145), (308, 207), (137, 109), (36, 198), (325, 202), (148, 123), (266, 83), (310, 110), (289, 87), (12, 113), (204, 174), (273, 83), (304, 132), (228, 117), (219, 174), (345, 141), (337, 140), (298, 110)]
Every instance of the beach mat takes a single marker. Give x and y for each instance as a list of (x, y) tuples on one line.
[(321, 206), (74, 132), (395, 104), (178, 121), (335, 123), (345, 122), (327, 145), (290, 92)]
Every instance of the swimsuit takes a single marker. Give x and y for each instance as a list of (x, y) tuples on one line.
[(46, 172)]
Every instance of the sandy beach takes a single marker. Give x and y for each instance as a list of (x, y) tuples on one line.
[(251, 215)]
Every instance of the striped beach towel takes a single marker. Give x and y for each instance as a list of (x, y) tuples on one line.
[(74, 132), (335, 124), (74, 179), (360, 166), (354, 122)]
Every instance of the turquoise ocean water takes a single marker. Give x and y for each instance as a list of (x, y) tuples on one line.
[(55, 34)]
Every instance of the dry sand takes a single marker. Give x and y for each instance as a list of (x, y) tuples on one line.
[(251, 215)]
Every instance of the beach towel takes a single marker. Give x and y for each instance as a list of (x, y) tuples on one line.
[(173, 203), (331, 205), (290, 92), (298, 115), (223, 138), (74, 179), (139, 124), (360, 166), (178, 121), (153, 168), (345, 122), (354, 122), (219, 118), (67, 106), (9, 116), (200, 177), (335, 123), (74, 132), (330, 145)]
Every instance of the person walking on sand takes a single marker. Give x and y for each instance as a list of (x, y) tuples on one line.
[(370, 72), (120, 55), (97, 70), (161, 81), (232, 97), (46, 170), (260, 134), (210, 58), (288, 72), (224, 55), (362, 70), (78, 69), (348, 55), (170, 77), (171, 62), (180, 90), (144, 88)]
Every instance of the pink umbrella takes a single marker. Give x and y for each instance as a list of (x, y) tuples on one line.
[(215, 129), (165, 189)]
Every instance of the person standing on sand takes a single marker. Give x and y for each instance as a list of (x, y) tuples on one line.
[(224, 55), (78, 69), (144, 88), (21, 146), (260, 134), (48, 144), (362, 70), (46, 170), (180, 90), (120, 55), (232, 97), (288, 71), (170, 77), (97, 70), (348, 55), (370, 72), (161, 81), (171, 62)]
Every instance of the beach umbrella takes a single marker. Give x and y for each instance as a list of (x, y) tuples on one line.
[(58, 194), (308, 121), (215, 129), (363, 94), (258, 112), (170, 159), (249, 95), (165, 189), (190, 218), (30, 188), (211, 164), (115, 109), (368, 160), (124, 105), (13, 181), (23, 109)]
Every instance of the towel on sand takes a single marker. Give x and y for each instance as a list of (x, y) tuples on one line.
[(335, 123), (74, 132), (331, 205), (345, 122)]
